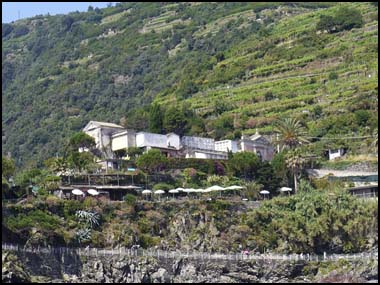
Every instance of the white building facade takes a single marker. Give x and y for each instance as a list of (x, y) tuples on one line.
[(226, 146)]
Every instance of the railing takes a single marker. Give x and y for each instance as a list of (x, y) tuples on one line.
[(366, 195), (156, 253)]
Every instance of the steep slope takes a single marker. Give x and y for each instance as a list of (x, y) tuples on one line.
[(238, 65)]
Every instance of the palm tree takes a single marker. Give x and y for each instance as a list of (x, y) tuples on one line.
[(291, 133), (295, 161)]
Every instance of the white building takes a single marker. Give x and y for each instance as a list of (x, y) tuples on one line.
[(149, 140), (206, 154), (335, 153), (259, 145), (198, 143), (102, 133), (123, 140), (226, 146), (173, 141)]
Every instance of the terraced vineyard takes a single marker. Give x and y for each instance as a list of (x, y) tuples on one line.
[(238, 66), (293, 77)]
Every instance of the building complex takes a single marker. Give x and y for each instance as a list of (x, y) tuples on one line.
[(110, 138)]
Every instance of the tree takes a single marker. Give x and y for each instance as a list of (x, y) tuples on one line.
[(134, 152), (295, 161), (81, 140), (81, 160), (152, 161), (155, 119), (56, 164), (175, 120), (344, 19), (291, 133), (267, 177), (244, 164), (7, 167)]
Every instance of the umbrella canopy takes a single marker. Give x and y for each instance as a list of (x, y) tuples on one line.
[(234, 187), (180, 189), (264, 192), (77, 192), (198, 190), (159, 192), (285, 189), (174, 191), (215, 188), (132, 187), (206, 190), (146, 191), (92, 192), (189, 190)]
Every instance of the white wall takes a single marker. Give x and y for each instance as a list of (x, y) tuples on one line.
[(335, 153), (144, 139), (226, 145), (173, 140), (120, 142)]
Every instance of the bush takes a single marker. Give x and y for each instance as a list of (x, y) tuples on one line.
[(344, 19), (333, 76), (163, 186), (20, 31), (130, 199)]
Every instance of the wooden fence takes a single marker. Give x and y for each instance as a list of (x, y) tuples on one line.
[(156, 253)]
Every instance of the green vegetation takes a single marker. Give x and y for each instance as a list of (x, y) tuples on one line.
[(152, 161), (312, 221), (255, 63)]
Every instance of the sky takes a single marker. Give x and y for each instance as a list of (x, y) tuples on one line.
[(12, 11)]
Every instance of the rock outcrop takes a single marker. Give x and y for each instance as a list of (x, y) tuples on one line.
[(130, 269)]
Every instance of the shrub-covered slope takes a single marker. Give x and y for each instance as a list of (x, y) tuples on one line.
[(237, 66)]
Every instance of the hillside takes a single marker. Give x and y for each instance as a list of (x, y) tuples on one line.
[(231, 67)]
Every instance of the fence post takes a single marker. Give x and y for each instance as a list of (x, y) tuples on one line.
[(324, 255)]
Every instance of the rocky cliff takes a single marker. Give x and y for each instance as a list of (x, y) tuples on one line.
[(30, 267)]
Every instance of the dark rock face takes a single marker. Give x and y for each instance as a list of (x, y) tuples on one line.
[(130, 269), (12, 270)]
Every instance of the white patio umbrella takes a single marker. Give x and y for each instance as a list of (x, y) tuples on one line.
[(180, 189), (173, 191), (200, 190), (159, 192), (132, 187), (77, 192), (234, 187), (92, 192), (146, 192), (215, 188), (264, 192), (286, 189)]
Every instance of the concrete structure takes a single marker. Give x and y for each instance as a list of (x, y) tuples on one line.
[(226, 145), (123, 140), (168, 144), (173, 140), (335, 153), (151, 140), (365, 191), (102, 133), (205, 154), (111, 137), (190, 142), (257, 144)]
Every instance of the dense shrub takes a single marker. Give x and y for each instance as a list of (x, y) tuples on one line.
[(344, 19), (315, 221)]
